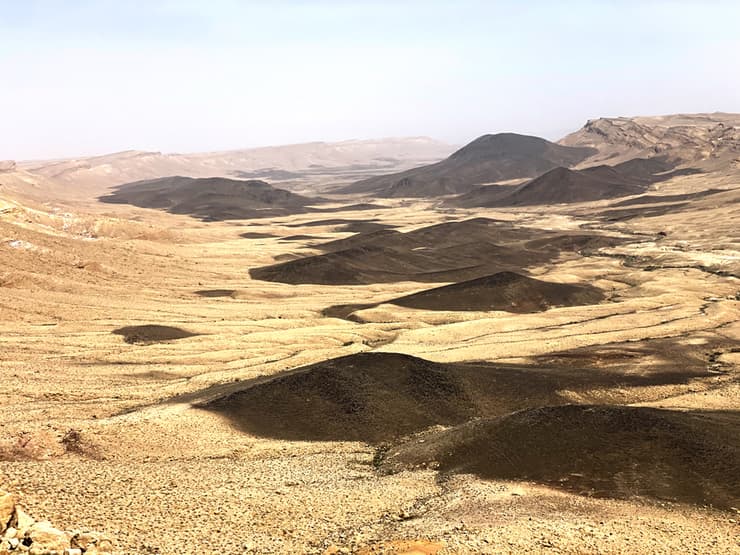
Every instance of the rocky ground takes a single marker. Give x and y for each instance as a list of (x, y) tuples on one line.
[(20, 533)]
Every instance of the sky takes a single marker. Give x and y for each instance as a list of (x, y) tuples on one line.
[(84, 77)]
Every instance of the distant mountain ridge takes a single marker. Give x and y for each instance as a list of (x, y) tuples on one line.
[(97, 173)]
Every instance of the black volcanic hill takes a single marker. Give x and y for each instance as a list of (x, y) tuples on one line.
[(212, 198), (451, 251), (363, 397), (598, 450), (562, 185), (507, 291), (447, 252), (557, 186), (378, 396), (487, 159)]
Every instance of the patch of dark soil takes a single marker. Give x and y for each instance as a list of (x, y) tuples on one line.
[(352, 207), (349, 226), (151, 333), (257, 235), (364, 227), (298, 237), (216, 292), (320, 223)]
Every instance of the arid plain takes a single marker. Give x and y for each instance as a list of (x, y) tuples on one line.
[(492, 364)]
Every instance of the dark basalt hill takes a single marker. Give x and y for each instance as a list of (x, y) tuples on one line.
[(448, 252), (487, 159), (562, 185), (452, 251), (507, 291), (213, 198), (599, 450), (557, 186), (377, 396), (364, 397)]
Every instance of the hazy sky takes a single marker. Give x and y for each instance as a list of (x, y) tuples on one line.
[(88, 77)]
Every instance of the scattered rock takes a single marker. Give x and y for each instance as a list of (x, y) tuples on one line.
[(83, 540), (20, 532), (43, 535)]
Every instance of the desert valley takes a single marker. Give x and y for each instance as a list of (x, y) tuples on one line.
[(392, 346)]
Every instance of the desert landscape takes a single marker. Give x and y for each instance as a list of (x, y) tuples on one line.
[(392, 346)]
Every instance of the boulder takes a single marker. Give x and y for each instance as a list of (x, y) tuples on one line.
[(84, 540), (91, 543), (19, 532), (105, 546), (44, 536), (22, 520), (7, 509)]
